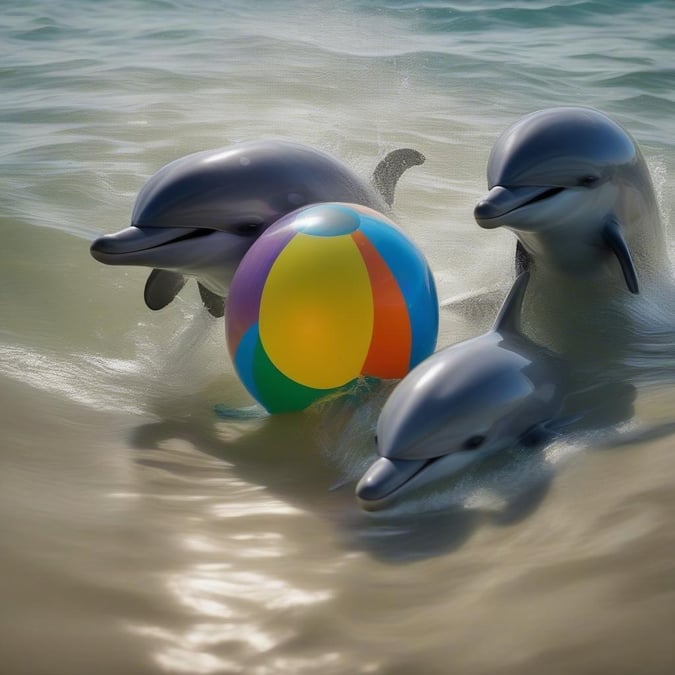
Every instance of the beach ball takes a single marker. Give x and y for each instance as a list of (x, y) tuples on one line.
[(329, 294)]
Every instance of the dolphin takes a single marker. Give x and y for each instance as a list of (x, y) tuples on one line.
[(575, 189), (198, 215), (463, 403)]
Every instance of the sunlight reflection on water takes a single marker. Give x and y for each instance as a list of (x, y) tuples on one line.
[(238, 598)]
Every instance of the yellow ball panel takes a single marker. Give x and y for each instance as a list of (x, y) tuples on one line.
[(316, 311)]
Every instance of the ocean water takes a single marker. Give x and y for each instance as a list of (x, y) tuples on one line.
[(152, 518)]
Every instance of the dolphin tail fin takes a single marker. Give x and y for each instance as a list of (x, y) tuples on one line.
[(389, 170), (162, 287), (617, 245), (212, 301), (508, 318)]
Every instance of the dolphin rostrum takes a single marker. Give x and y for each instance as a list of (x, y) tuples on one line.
[(198, 215), (463, 403)]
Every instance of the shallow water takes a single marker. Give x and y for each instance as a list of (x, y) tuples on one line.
[(153, 519)]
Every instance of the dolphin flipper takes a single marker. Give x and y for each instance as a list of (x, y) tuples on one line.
[(390, 169), (617, 244), (162, 287), (212, 301)]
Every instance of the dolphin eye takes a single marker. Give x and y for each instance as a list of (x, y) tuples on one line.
[(588, 181), (473, 442)]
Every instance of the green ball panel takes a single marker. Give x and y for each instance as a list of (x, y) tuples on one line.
[(278, 393)]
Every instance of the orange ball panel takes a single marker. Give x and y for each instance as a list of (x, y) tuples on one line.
[(389, 353)]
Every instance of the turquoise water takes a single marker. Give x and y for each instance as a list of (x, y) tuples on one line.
[(151, 519)]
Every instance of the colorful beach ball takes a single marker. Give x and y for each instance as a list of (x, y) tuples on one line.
[(329, 294)]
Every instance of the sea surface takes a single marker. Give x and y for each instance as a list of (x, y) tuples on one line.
[(152, 518)]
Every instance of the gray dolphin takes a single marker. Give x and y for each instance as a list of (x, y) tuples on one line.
[(575, 188), (463, 403), (198, 215)]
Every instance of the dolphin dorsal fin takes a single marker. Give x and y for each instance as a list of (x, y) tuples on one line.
[(390, 169), (508, 318)]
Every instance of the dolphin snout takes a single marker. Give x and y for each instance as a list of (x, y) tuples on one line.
[(133, 239), (111, 249), (501, 200), (383, 478), (492, 205)]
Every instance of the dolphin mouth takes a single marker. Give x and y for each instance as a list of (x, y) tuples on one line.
[(109, 248), (500, 201), (135, 239), (386, 478)]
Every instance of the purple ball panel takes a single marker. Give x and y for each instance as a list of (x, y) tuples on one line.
[(243, 303)]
